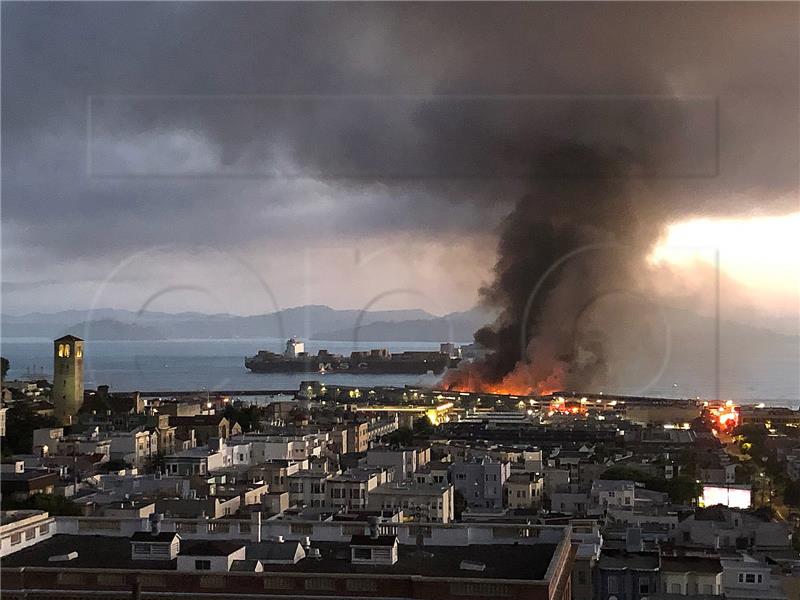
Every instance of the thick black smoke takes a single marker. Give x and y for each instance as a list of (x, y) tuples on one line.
[(571, 241)]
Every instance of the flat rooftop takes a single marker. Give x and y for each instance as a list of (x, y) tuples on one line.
[(400, 488), (503, 561), (13, 516)]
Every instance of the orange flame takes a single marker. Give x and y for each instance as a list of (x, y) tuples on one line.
[(519, 382)]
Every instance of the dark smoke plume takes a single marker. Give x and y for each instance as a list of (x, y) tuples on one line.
[(567, 244)]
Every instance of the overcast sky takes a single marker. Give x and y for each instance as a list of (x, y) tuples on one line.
[(247, 157)]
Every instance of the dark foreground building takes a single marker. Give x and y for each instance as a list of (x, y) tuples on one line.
[(367, 566)]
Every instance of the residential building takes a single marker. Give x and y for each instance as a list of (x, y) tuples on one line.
[(588, 539), (207, 427), (745, 578), (358, 436), (770, 416), (691, 576), (555, 480), (276, 473), (20, 529), (533, 460), (435, 471), (200, 461), (350, 489), (47, 437), (418, 501), (27, 483), (571, 500), (607, 493), (524, 490), (481, 482), (626, 575), (135, 447), (537, 567), (211, 507), (307, 488), (725, 528), (402, 461)]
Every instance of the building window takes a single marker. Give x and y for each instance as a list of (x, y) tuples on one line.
[(110, 579), (44, 529), (78, 352), (424, 530), (479, 589), (644, 587), (613, 587), (362, 553), (30, 533), (362, 585), (152, 580), (278, 583), (16, 538), (321, 584), (212, 581), (202, 565), (352, 530), (301, 528)]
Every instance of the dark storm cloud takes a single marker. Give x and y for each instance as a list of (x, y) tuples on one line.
[(55, 55)]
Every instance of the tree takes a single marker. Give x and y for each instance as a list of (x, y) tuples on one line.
[(459, 504), (681, 489), (53, 504), (423, 427), (247, 416), (791, 494), (116, 464), (400, 437), (21, 420), (4, 364)]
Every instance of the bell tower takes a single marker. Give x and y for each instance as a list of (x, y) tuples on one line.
[(67, 394)]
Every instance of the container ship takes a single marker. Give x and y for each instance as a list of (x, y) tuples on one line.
[(296, 360)]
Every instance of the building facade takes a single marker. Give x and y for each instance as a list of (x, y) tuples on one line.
[(481, 482)]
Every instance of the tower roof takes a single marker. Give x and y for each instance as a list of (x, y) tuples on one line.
[(68, 338)]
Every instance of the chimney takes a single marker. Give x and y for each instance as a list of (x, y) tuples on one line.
[(155, 523), (373, 527), (633, 539), (256, 525)]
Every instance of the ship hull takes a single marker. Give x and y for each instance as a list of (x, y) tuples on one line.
[(362, 368)]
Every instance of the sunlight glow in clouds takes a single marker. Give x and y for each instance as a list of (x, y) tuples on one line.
[(758, 251)]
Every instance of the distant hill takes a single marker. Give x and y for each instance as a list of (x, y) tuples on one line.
[(109, 329), (324, 323), (302, 321), (456, 327)]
